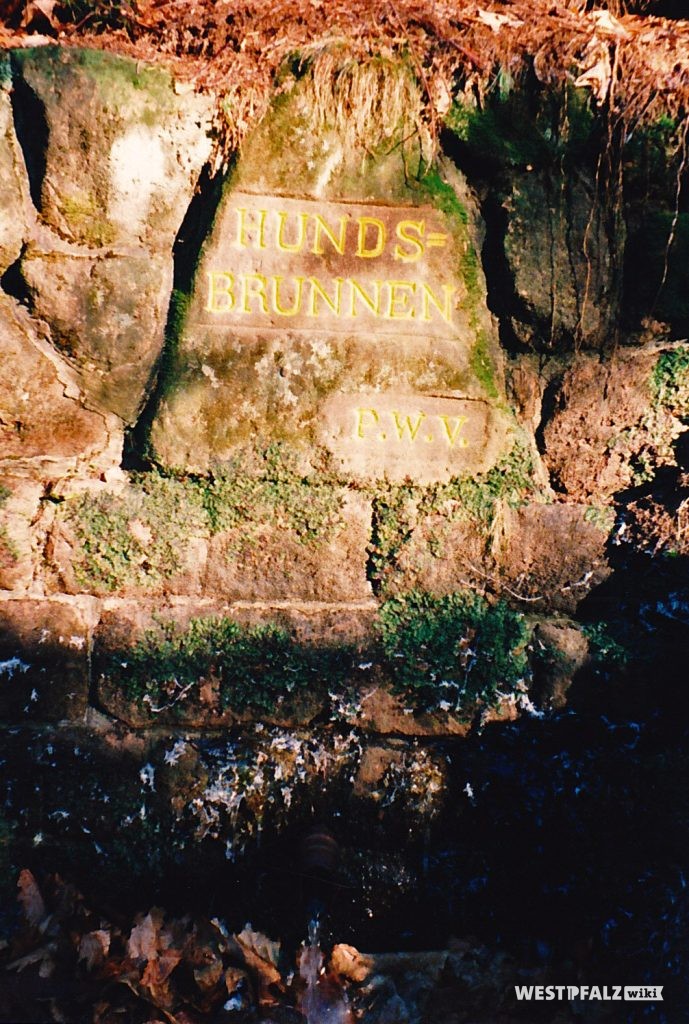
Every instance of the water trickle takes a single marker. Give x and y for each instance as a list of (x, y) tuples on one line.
[(323, 1000)]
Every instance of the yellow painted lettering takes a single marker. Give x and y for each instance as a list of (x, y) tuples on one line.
[(365, 251), (359, 416), (321, 228), (372, 303), (444, 305), (404, 424), (298, 244), (220, 292), (296, 301), (452, 432), (399, 298), (318, 291), (245, 230), (416, 250), (254, 287)]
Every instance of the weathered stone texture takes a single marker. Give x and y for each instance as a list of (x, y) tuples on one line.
[(561, 651), (37, 418), (276, 565), (14, 185), (561, 255), (602, 420), (553, 556), (19, 504), (43, 661), (123, 151), (112, 183), (333, 277), (107, 315)]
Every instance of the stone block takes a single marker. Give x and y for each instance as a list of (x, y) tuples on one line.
[(19, 504), (107, 317), (43, 661), (14, 184), (42, 414), (345, 311), (144, 144), (552, 557), (275, 564)]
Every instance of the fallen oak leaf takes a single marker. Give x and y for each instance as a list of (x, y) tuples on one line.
[(265, 969), (159, 968), (42, 956), (30, 898), (144, 937), (94, 947)]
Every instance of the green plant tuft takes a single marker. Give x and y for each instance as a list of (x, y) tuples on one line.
[(255, 667), (453, 652), (670, 381)]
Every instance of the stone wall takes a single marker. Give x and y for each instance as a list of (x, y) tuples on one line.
[(376, 400)]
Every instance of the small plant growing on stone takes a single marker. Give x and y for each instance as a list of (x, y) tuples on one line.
[(670, 381), (254, 667), (455, 652)]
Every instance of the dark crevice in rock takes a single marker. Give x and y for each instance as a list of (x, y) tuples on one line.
[(549, 405), (502, 298), (31, 126), (501, 295), (186, 250), (12, 282)]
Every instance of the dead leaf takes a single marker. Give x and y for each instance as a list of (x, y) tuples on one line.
[(250, 942), (41, 956), (43, 10), (348, 962), (496, 21), (234, 978), (143, 941), (30, 898), (264, 947), (608, 24), (94, 947), (598, 76), (159, 968), (208, 976)]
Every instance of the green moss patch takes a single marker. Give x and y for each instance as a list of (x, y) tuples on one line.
[(400, 508), (453, 652), (670, 381), (140, 537), (254, 667)]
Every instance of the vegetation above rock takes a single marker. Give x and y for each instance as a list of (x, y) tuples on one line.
[(634, 65)]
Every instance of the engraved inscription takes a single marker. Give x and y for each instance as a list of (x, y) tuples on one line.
[(302, 264), (425, 437)]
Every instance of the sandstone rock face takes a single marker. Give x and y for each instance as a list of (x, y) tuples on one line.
[(554, 556), (145, 146), (42, 416), (276, 565), (562, 651), (19, 503), (107, 316), (561, 255), (591, 455), (14, 185), (113, 156), (338, 303)]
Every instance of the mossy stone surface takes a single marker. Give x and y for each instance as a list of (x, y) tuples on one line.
[(306, 205), (121, 151)]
